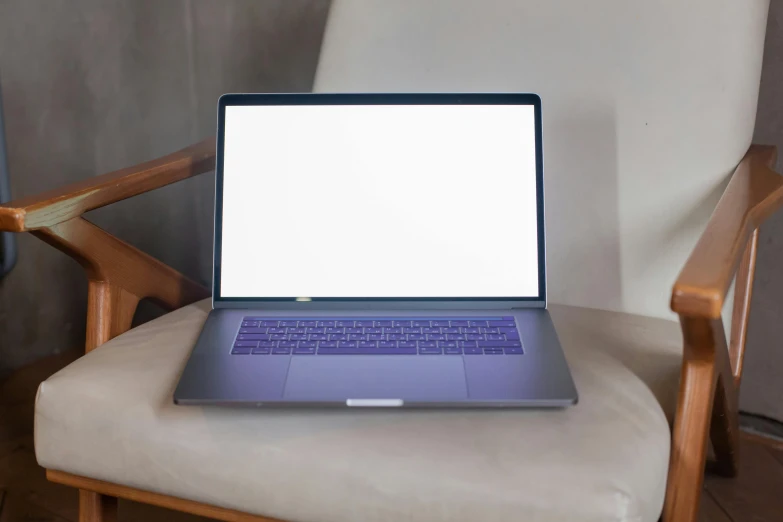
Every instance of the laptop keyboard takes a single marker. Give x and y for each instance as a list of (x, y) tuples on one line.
[(378, 336)]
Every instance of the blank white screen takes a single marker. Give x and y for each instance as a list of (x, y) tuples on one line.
[(379, 201)]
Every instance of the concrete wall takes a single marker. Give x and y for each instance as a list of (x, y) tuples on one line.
[(94, 85), (762, 382)]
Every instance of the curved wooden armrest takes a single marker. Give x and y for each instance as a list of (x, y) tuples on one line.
[(754, 192), (59, 205), (712, 365)]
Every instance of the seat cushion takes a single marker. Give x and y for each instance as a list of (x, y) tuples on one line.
[(110, 416)]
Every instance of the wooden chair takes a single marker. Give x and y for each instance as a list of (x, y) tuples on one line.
[(106, 424)]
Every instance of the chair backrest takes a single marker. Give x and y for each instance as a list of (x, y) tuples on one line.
[(648, 106)]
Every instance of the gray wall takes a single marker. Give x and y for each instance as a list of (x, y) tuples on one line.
[(762, 382), (95, 85)]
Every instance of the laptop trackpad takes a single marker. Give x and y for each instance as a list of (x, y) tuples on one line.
[(342, 377)]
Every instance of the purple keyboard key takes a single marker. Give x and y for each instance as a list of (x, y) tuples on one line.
[(322, 324), (453, 351), (344, 324), (447, 344), (327, 344), (286, 344), (451, 330), (308, 323), (411, 330), (470, 330), (499, 344), (512, 335), (298, 337), (416, 337), (268, 324), (407, 344), (383, 323), (304, 351), (427, 344), (296, 330), (375, 337), (496, 337), (392, 330), (364, 324), (357, 337), (366, 351), (276, 330), (267, 344), (467, 344), (278, 337), (509, 324), (347, 344), (513, 351), (453, 337), (308, 344), (252, 337), (335, 330), (396, 337), (421, 323), (252, 330), (249, 324), (436, 337), (261, 350), (459, 323), (401, 324), (288, 323), (281, 351), (373, 330), (336, 337), (241, 350), (387, 344), (243, 344), (488, 330), (313, 330), (430, 351), (492, 351), (431, 330), (475, 337), (475, 324), (440, 323), (473, 351), (367, 344), (354, 330), (317, 337)]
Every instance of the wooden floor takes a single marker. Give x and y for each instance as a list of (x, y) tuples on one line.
[(25, 494)]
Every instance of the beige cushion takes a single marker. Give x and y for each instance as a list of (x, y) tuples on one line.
[(110, 416)]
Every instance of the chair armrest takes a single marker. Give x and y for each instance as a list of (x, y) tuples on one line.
[(754, 192), (53, 207)]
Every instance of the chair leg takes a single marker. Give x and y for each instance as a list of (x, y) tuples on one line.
[(689, 442), (94, 507), (724, 428)]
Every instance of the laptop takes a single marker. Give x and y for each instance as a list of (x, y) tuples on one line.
[(378, 250)]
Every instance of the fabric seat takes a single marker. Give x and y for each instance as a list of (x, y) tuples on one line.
[(110, 416)]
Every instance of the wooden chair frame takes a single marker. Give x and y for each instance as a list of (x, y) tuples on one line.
[(119, 276)]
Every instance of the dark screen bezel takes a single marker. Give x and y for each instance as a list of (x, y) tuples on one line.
[(379, 99)]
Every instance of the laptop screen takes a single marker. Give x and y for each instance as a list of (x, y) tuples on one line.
[(379, 201)]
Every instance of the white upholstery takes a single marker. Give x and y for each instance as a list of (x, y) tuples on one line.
[(110, 416), (647, 108)]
